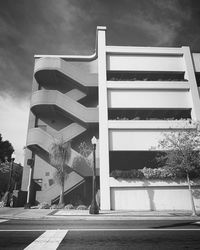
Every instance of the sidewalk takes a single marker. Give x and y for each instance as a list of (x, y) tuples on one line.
[(125, 215), (21, 213), (50, 214)]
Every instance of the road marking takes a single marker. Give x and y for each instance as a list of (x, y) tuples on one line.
[(49, 240), (102, 229), (135, 229), (1, 221)]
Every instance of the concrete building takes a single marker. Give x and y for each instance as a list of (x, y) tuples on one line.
[(125, 96)]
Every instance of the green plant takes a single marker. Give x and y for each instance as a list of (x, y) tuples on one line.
[(158, 173), (181, 154), (60, 206), (44, 205), (161, 173), (6, 150), (81, 207), (69, 206), (127, 174), (60, 153), (83, 164), (54, 206)]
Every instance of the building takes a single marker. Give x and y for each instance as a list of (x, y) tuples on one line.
[(125, 96)]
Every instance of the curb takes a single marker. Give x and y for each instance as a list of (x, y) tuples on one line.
[(103, 217), (57, 214)]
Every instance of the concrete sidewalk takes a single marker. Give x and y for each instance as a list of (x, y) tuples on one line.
[(51, 214), (21, 213), (125, 215)]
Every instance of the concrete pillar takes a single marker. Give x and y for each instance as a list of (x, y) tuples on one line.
[(190, 76), (103, 121), (28, 153)]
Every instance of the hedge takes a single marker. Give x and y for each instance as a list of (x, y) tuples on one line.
[(163, 173)]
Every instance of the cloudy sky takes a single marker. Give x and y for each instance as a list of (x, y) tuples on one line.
[(29, 27)]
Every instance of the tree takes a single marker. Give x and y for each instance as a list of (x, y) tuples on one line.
[(6, 149), (83, 161), (16, 176), (60, 153), (85, 149), (181, 155)]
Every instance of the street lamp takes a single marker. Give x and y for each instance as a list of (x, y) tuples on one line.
[(30, 162), (13, 156), (94, 209)]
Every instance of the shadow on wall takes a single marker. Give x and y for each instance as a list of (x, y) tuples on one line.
[(150, 193), (196, 195)]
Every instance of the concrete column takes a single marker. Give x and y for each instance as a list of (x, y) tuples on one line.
[(28, 153), (190, 76), (103, 121)]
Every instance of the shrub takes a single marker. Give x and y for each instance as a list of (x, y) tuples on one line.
[(69, 206), (2, 204), (44, 205), (162, 173), (158, 173), (127, 174), (54, 206), (57, 206), (60, 206), (81, 207)]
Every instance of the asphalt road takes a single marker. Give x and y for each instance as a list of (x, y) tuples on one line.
[(87, 234)]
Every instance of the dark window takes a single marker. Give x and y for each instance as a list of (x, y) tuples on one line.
[(127, 160), (149, 114), (144, 76)]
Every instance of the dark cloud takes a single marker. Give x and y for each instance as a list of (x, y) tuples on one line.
[(29, 27)]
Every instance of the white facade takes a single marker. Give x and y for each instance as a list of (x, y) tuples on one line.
[(117, 135)]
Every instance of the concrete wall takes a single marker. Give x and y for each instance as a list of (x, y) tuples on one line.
[(127, 135), (196, 61), (53, 191), (28, 153), (43, 171), (148, 99), (152, 195), (144, 62)]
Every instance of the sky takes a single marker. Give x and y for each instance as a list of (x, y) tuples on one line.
[(29, 27)]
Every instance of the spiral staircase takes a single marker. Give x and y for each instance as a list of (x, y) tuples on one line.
[(63, 86)]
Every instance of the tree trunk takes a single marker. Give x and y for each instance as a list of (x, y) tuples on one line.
[(62, 186), (191, 197), (61, 201)]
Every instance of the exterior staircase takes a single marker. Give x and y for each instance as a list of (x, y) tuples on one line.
[(40, 138)]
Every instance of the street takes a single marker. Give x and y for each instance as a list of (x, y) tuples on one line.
[(98, 234)]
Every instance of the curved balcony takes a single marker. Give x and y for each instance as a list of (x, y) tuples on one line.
[(47, 98), (51, 69)]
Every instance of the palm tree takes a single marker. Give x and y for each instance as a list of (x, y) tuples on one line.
[(60, 153)]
